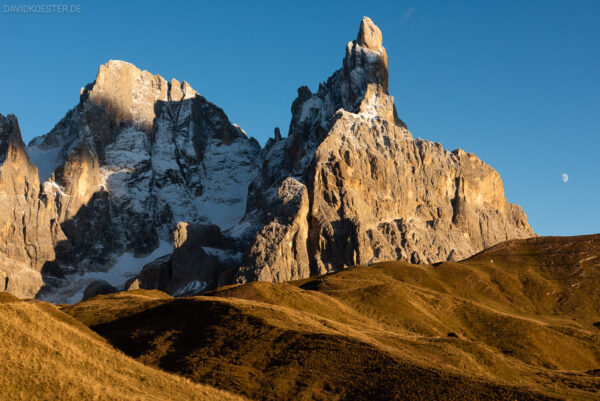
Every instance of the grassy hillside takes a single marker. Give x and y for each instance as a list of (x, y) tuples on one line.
[(48, 355), (518, 321)]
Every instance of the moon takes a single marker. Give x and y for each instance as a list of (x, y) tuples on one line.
[(564, 177)]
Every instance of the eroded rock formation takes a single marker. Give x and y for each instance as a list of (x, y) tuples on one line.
[(29, 232), (365, 190)]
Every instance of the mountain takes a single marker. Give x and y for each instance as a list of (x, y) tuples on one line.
[(517, 321), (146, 184), (136, 156), (351, 186), (29, 234), (48, 355)]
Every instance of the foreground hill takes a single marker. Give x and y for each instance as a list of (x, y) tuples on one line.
[(518, 321), (48, 355)]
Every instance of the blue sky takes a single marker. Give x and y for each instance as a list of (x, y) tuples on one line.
[(517, 83)]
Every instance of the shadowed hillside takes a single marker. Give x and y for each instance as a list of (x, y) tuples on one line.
[(48, 355), (518, 321)]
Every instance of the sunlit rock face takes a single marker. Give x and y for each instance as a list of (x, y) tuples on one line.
[(146, 184), (29, 233), (350, 185)]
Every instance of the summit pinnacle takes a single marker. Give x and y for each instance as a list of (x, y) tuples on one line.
[(369, 34)]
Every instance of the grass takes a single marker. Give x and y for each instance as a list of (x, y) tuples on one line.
[(270, 352), (518, 321), (48, 355)]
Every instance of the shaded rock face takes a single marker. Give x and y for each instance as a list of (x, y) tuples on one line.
[(198, 258), (29, 233), (98, 287), (137, 155), (141, 160), (279, 251), (202, 258)]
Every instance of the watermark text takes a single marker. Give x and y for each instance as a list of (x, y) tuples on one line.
[(42, 8)]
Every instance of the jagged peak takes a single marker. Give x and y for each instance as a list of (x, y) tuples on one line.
[(366, 59), (365, 64), (360, 87), (131, 93), (119, 64), (125, 67), (124, 96), (119, 73), (10, 134), (8, 124), (118, 70), (18, 176), (180, 90), (369, 34)]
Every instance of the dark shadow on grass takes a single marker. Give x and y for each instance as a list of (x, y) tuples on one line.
[(216, 343)]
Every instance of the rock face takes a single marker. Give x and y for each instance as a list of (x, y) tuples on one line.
[(351, 186), (141, 161), (98, 287), (137, 155), (29, 234), (369, 35), (279, 251), (202, 258)]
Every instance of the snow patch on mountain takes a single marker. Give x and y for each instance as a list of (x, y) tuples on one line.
[(228, 170), (46, 160), (129, 149), (192, 288), (222, 254), (125, 267)]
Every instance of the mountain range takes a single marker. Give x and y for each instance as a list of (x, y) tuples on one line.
[(146, 184)]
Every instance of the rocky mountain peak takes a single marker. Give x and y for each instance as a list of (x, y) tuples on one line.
[(130, 94), (356, 187), (369, 34), (10, 136), (18, 176), (117, 77), (366, 62), (137, 155), (359, 87)]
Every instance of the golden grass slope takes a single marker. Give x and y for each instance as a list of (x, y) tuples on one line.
[(518, 321), (47, 355)]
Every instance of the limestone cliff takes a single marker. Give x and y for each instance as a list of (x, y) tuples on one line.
[(370, 192), (29, 233)]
